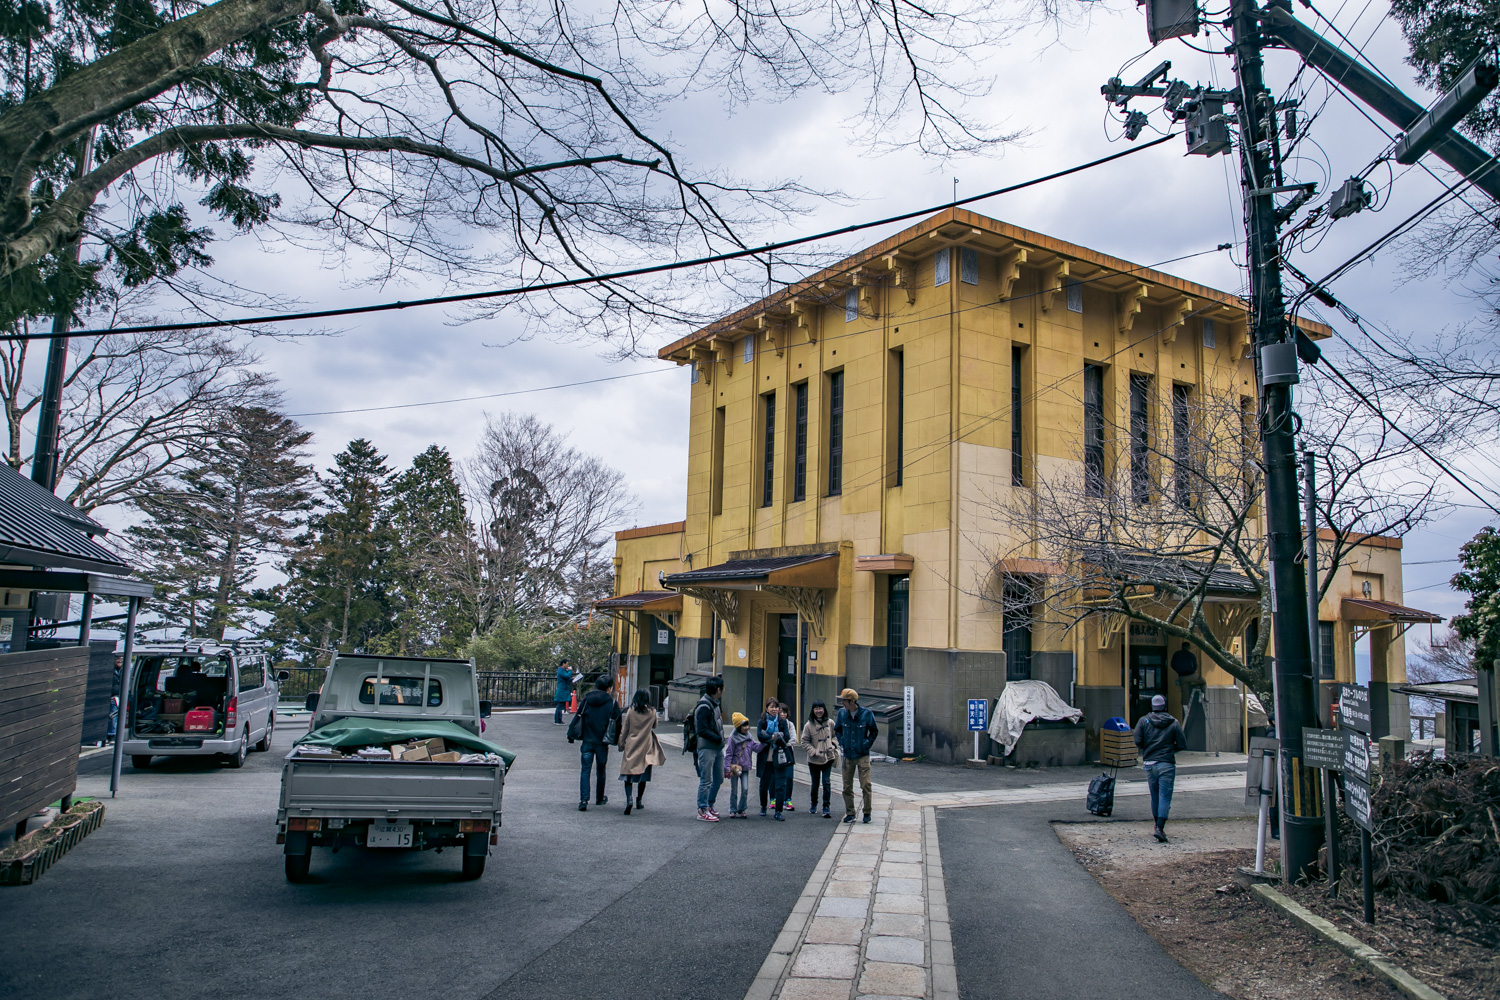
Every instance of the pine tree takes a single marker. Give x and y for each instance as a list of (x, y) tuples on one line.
[(236, 501), (428, 526)]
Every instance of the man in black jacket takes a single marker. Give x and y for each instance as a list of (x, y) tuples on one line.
[(598, 710), (1159, 736), (708, 726)]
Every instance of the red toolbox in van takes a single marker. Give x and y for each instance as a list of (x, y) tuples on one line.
[(199, 720)]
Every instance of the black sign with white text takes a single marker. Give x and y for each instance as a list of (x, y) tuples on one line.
[(1354, 707), (1323, 748)]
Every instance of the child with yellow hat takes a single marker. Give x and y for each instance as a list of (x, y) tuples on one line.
[(739, 761)]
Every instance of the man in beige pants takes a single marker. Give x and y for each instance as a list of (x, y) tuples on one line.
[(855, 731)]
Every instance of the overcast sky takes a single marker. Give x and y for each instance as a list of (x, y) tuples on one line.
[(1158, 205)]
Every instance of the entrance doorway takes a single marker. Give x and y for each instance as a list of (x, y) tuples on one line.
[(1148, 669), (787, 660)]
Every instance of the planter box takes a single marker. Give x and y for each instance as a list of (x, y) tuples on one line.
[(61, 835)]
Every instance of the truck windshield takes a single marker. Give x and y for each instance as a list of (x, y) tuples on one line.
[(400, 691)]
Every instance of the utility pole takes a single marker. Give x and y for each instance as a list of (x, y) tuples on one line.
[(1276, 365), (44, 458)]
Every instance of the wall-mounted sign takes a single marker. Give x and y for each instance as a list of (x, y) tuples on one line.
[(661, 638), (1150, 632)]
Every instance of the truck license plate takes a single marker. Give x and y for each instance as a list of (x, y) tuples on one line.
[(389, 835)]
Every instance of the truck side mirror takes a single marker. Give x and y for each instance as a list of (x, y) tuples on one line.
[(312, 702), (282, 675), (484, 709)]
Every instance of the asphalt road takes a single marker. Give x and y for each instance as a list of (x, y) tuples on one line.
[(1030, 923), (181, 893)]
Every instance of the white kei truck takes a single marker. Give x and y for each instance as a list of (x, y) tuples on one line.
[(341, 788)]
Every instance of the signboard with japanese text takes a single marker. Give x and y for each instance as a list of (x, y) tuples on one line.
[(1357, 757), (1354, 707), (908, 719), (1357, 803), (1323, 748), (979, 715)]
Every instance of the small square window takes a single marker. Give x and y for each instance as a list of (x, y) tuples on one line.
[(1075, 295), (940, 267), (968, 265), (749, 355), (693, 373), (1208, 333), (851, 305)]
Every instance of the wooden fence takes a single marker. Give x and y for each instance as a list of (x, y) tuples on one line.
[(41, 723)]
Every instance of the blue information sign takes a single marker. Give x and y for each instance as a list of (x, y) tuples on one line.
[(979, 715)]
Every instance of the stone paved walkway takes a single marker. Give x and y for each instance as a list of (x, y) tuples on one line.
[(872, 921)]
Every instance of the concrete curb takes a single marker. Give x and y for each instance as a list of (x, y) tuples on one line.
[(774, 969), (1355, 948)]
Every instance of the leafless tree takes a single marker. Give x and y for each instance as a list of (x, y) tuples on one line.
[(471, 139), (134, 405), (542, 512), (1170, 532), (1449, 657)]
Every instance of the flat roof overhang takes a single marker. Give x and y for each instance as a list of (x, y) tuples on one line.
[(819, 570), (660, 601), (1368, 609)]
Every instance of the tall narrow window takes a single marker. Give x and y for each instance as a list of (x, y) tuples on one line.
[(1182, 446), (1093, 430), (799, 445), (1017, 419), (1209, 338), (1075, 295), (768, 473), (851, 305), (1015, 637), (749, 354), (1326, 650), (940, 267), (716, 468), (693, 373), (896, 409), (835, 433), (968, 265), (1140, 438), (897, 617)]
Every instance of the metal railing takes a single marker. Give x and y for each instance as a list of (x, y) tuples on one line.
[(515, 688)]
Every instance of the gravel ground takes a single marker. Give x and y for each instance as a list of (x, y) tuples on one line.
[(1184, 896)]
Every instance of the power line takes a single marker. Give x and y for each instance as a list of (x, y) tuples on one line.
[(596, 278), (837, 336)]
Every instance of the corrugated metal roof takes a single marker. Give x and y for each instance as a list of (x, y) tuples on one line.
[(1370, 609), (747, 570), (641, 599), (38, 529)]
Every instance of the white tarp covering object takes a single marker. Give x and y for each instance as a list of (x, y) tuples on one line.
[(1022, 701)]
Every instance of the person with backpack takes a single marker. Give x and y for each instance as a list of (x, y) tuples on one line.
[(817, 736), (1159, 737), (706, 738), (739, 760), (596, 727), (775, 759), (640, 750), (855, 730)]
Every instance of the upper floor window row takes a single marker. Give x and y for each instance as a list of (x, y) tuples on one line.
[(968, 266)]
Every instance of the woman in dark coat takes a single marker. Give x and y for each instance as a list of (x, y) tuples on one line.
[(776, 736)]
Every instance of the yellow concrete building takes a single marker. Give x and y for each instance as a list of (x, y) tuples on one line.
[(849, 436)]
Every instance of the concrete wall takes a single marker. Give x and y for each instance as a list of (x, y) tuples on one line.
[(944, 680)]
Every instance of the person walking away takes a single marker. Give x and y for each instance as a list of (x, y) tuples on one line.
[(855, 730), (640, 750), (1159, 737), (564, 692), (817, 736), (739, 760), (767, 726), (708, 727), (598, 710)]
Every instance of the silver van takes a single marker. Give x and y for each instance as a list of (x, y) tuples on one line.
[(201, 699)]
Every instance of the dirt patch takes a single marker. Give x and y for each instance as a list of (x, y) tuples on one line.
[(1456, 958), (1183, 894)]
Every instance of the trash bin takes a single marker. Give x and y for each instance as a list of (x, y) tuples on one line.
[(683, 694), (890, 717), (1116, 743)]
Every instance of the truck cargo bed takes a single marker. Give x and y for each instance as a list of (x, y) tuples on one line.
[(385, 789)]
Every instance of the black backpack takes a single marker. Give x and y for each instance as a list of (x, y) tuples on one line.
[(690, 731), (1101, 797)]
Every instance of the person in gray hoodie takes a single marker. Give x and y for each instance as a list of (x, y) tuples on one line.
[(1159, 737)]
